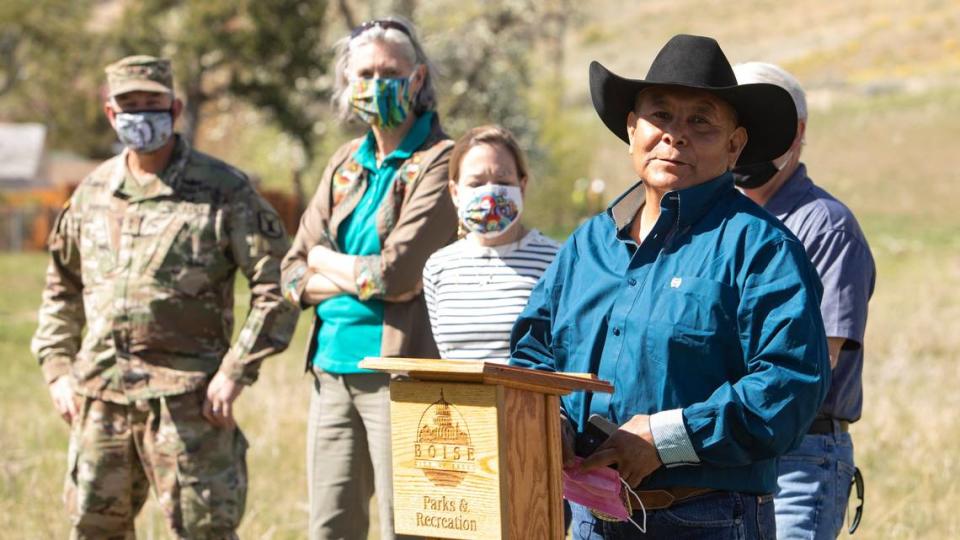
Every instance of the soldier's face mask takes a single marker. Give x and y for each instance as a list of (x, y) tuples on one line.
[(144, 131), (381, 102)]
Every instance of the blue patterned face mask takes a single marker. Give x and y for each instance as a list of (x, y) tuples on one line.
[(144, 131), (380, 102)]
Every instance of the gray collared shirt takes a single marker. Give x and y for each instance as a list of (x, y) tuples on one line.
[(839, 251)]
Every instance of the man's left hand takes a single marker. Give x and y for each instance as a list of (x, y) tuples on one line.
[(631, 448), (218, 406)]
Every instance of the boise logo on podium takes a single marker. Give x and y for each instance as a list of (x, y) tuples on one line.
[(443, 450)]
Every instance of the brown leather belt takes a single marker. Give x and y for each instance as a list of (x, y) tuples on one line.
[(658, 499), (824, 426)]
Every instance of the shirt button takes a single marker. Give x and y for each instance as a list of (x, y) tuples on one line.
[(616, 331), (632, 282)]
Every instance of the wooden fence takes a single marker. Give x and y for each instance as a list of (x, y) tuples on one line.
[(26, 217)]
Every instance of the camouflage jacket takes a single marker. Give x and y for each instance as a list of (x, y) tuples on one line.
[(149, 271)]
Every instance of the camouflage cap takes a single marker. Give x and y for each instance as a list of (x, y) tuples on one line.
[(141, 72)]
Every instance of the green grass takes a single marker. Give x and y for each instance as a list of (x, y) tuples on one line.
[(32, 437)]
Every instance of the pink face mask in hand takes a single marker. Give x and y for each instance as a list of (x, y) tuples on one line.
[(602, 491)]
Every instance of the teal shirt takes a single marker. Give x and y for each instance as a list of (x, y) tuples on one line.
[(352, 329), (716, 313)]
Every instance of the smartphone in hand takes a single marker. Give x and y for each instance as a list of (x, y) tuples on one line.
[(597, 430)]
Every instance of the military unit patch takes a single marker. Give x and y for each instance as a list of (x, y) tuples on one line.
[(269, 224)]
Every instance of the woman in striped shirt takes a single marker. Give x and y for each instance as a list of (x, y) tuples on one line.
[(476, 287)]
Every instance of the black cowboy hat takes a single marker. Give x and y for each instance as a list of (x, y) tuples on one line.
[(766, 111)]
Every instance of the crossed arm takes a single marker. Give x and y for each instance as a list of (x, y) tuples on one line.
[(334, 275)]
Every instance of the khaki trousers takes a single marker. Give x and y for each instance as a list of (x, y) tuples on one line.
[(348, 455)]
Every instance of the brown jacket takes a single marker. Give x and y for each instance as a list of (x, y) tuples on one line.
[(416, 218)]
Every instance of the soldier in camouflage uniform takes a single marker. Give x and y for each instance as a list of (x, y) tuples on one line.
[(144, 257)]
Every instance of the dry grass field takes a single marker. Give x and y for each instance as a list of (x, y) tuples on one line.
[(33, 439), (889, 157), (883, 137)]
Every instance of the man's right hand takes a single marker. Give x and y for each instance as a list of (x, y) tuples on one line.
[(61, 391)]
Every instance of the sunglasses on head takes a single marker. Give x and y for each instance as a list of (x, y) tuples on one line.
[(386, 24)]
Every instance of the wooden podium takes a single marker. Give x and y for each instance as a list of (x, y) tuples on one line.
[(476, 448)]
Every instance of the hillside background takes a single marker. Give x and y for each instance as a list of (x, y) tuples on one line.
[(883, 82)]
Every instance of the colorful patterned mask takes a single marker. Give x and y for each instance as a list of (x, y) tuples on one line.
[(381, 102), (144, 131), (489, 210)]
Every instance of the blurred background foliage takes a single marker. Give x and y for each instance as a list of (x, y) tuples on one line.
[(256, 74), (256, 78)]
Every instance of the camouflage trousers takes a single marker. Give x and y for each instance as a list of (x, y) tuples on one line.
[(117, 452)]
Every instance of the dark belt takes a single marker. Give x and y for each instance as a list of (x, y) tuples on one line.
[(658, 499), (824, 426)]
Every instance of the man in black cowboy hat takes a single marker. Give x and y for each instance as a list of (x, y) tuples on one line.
[(699, 306)]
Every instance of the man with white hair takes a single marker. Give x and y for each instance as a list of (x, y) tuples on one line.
[(816, 477)]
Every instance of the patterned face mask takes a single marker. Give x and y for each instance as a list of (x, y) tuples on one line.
[(380, 102), (489, 210), (144, 131)]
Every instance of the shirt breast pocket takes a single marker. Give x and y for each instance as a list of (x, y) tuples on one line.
[(691, 317), (188, 251), (98, 253)]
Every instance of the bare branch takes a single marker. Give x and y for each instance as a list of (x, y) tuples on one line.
[(347, 14), (9, 41)]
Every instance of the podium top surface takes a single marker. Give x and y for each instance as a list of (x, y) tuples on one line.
[(472, 371)]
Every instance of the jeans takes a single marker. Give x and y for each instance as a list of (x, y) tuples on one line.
[(814, 487), (721, 514)]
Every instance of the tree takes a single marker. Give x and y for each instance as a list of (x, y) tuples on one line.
[(500, 61), (503, 62), (50, 72), (270, 54)]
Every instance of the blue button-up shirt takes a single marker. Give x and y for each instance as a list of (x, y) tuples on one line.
[(713, 322)]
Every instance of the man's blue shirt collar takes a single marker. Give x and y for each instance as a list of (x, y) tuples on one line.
[(366, 154), (688, 204)]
